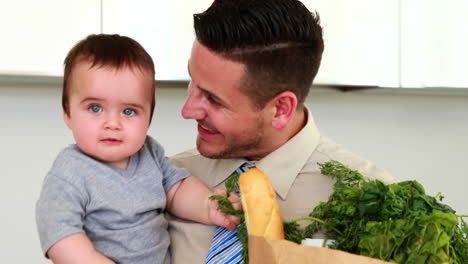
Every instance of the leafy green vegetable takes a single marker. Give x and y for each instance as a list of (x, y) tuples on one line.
[(225, 206), (394, 222), (231, 183), (293, 232), (244, 238)]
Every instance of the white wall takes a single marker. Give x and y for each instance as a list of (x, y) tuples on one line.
[(406, 43), (414, 136)]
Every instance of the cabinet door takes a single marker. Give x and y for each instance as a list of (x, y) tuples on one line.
[(434, 41), (164, 28), (361, 42), (361, 36), (36, 35)]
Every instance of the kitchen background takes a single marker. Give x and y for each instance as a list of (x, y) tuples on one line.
[(393, 88)]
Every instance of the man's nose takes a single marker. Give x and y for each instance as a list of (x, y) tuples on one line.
[(193, 107)]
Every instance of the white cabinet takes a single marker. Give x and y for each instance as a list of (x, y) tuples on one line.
[(361, 42), (164, 28), (405, 43), (36, 35), (434, 43), (361, 37)]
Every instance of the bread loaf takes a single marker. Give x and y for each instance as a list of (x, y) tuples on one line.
[(261, 210)]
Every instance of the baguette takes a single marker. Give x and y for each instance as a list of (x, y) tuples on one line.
[(261, 209)]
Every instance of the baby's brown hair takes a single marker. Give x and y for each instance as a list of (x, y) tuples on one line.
[(107, 50)]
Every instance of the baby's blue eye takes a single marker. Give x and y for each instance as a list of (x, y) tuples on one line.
[(95, 108), (129, 111)]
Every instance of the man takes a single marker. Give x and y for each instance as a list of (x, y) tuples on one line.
[(251, 67)]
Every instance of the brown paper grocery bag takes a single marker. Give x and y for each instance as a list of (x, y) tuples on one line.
[(263, 250)]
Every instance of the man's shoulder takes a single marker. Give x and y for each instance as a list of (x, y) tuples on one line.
[(330, 150), (210, 171), (187, 154), (187, 158)]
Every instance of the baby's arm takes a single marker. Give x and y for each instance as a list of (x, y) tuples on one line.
[(59, 213), (189, 199), (76, 248)]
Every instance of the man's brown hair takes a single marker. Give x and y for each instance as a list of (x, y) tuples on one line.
[(279, 41)]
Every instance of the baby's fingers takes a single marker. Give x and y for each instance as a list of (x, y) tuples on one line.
[(220, 191), (235, 201)]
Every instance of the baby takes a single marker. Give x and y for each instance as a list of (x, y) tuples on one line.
[(104, 198)]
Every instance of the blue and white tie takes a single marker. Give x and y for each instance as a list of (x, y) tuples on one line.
[(226, 246)]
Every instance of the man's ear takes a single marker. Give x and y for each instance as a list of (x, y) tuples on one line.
[(284, 105), (67, 119)]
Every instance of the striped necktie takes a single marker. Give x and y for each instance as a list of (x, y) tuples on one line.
[(226, 246)]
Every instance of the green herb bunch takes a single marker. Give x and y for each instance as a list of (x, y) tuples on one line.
[(394, 222), (225, 206)]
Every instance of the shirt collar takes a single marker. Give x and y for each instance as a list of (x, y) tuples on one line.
[(282, 165), (224, 168)]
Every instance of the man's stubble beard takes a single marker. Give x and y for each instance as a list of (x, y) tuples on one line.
[(231, 151)]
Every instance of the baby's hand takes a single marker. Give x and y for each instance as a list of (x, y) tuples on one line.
[(231, 217)]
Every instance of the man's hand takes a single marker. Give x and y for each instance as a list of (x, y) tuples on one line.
[(219, 218)]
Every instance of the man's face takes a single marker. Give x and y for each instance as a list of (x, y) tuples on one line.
[(229, 125)]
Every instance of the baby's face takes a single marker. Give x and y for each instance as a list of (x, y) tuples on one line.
[(109, 111)]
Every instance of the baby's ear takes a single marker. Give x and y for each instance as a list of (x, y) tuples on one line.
[(67, 119)]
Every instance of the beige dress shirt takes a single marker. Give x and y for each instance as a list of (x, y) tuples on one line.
[(293, 171)]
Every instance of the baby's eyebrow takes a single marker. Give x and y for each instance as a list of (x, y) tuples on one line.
[(135, 106), (90, 99)]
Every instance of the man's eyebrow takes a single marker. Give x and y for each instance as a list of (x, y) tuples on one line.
[(214, 96), (205, 91)]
